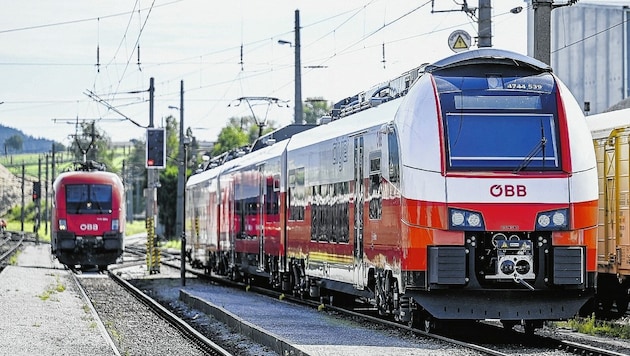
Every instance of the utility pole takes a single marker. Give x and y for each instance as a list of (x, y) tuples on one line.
[(23, 213), (181, 177), (542, 27), (153, 254), (46, 198), (38, 203), (299, 114), (181, 180), (484, 20), (484, 24), (542, 30)]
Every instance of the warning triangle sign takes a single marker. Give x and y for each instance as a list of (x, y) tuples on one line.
[(460, 43)]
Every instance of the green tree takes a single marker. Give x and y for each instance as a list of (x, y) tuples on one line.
[(314, 109), (167, 193), (58, 147), (172, 141), (90, 143), (135, 173), (167, 200), (229, 138), (14, 142)]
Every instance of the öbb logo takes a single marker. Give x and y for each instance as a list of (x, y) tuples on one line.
[(508, 190), (88, 227)]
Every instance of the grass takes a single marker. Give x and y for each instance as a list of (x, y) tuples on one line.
[(31, 161), (592, 326), (14, 162), (56, 287), (135, 227), (131, 228), (14, 258)]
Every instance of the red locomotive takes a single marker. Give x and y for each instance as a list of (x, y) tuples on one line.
[(462, 190), (88, 217)]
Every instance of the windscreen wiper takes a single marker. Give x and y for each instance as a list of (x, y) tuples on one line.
[(540, 146)]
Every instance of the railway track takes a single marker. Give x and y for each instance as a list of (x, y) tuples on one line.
[(10, 242), (485, 338), (478, 340), (120, 304)]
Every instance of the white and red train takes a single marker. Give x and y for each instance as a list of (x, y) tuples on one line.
[(462, 190), (88, 217)]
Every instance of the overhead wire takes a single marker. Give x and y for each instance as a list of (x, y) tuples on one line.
[(199, 59)]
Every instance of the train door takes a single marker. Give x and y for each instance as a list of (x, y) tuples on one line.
[(359, 199), (262, 191)]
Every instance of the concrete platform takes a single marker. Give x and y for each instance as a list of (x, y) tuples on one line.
[(42, 311)]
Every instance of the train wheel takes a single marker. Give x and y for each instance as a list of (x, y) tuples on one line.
[(622, 301), (429, 324), (508, 324), (530, 326)]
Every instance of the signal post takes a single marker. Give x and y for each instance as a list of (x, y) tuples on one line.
[(155, 159)]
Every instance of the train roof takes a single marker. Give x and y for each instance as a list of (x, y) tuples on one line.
[(355, 123), (485, 56), (74, 177), (601, 125), (280, 134), (252, 158)]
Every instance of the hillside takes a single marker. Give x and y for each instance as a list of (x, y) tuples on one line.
[(30, 144), (10, 190)]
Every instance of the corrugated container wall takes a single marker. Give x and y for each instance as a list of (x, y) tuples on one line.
[(589, 51)]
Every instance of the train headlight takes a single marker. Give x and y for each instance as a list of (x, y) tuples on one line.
[(553, 220), (457, 218), (63, 225), (559, 218), (465, 220), (115, 224), (543, 220), (474, 220)]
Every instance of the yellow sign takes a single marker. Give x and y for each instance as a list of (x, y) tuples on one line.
[(459, 43), (459, 40)]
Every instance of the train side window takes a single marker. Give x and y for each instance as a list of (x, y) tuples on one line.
[(394, 158), (296, 194), (375, 198)]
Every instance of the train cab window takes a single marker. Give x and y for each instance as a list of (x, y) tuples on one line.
[(500, 122), (89, 199), (375, 197), (394, 158)]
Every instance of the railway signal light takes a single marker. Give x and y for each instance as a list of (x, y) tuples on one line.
[(156, 148), (37, 190)]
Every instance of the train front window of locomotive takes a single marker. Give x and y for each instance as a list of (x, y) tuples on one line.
[(89, 199), (502, 141), (499, 121)]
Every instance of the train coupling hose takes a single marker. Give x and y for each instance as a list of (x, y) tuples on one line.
[(520, 280)]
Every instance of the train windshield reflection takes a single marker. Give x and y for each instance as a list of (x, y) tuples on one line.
[(88, 198), (502, 141)]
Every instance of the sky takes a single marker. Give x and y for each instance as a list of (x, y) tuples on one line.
[(78, 61)]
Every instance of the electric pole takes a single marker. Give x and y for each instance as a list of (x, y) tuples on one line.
[(484, 24), (542, 30), (542, 27), (299, 114)]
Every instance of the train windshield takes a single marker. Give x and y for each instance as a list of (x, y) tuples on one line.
[(500, 123), (89, 199)]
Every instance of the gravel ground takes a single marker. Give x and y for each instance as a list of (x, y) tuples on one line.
[(134, 328), (41, 311), (314, 332), (167, 282)]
